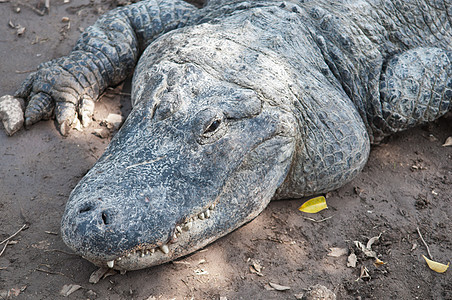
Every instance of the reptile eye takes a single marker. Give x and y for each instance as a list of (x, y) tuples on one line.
[(209, 126), (213, 126)]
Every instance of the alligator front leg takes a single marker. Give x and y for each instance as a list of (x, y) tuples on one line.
[(105, 54), (415, 88)]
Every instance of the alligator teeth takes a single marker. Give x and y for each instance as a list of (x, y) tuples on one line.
[(111, 264), (164, 249), (187, 226), (152, 250), (207, 214), (178, 229), (174, 236), (212, 207), (201, 216)]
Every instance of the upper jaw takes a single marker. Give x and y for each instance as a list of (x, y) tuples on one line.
[(146, 255)]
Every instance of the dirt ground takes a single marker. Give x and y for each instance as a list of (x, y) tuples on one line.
[(405, 185)]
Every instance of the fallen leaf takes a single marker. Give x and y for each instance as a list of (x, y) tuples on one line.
[(69, 289), (448, 142), (352, 260), (314, 205), (372, 241), (436, 266), (201, 272), (97, 275), (279, 287), (256, 268), (336, 252), (367, 252), (20, 30), (378, 262), (16, 291), (299, 296), (364, 273)]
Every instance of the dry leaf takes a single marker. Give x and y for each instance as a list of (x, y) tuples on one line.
[(372, 241), (69, 289), (299, 296), (97, 275), (448, 142), (367, 252), (352, 260), (201, 272), (16, 291), (279, 287), (436, 266), (314, 205), (378, 262), (256, 268), (20, 30), (336, 252), (364, 273)]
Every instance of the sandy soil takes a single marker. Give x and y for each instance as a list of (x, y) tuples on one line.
[(406, 184)]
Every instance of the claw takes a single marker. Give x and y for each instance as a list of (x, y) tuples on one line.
[(25, 88), (65, 115), (86, 111), (40, 107)]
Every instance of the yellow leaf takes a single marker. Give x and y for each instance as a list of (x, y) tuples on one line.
[(379, 262), (314, 205), (436, 266)]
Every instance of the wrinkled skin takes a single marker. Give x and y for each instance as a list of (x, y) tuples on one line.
[(142, 193), (235, 104)]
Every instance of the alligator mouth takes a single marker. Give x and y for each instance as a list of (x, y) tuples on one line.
[(144, 255)]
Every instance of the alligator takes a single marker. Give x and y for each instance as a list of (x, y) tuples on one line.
[(235, 104)]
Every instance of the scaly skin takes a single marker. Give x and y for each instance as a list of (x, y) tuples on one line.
[(236, 104)]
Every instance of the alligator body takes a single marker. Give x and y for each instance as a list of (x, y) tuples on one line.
[(236, 104)]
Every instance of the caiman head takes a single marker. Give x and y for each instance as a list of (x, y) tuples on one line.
[(196, 158)]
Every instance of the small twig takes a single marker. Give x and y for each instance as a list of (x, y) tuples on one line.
[(6, 240), (425, 244), (24, 72), (50, 272), (41, 13), (51, 232), (112, 91), (3, 250), (317, 221)]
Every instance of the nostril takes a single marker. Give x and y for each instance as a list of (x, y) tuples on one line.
[(86, 208), (105, 218)]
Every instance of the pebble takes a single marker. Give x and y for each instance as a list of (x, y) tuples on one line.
[(11, 113)]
